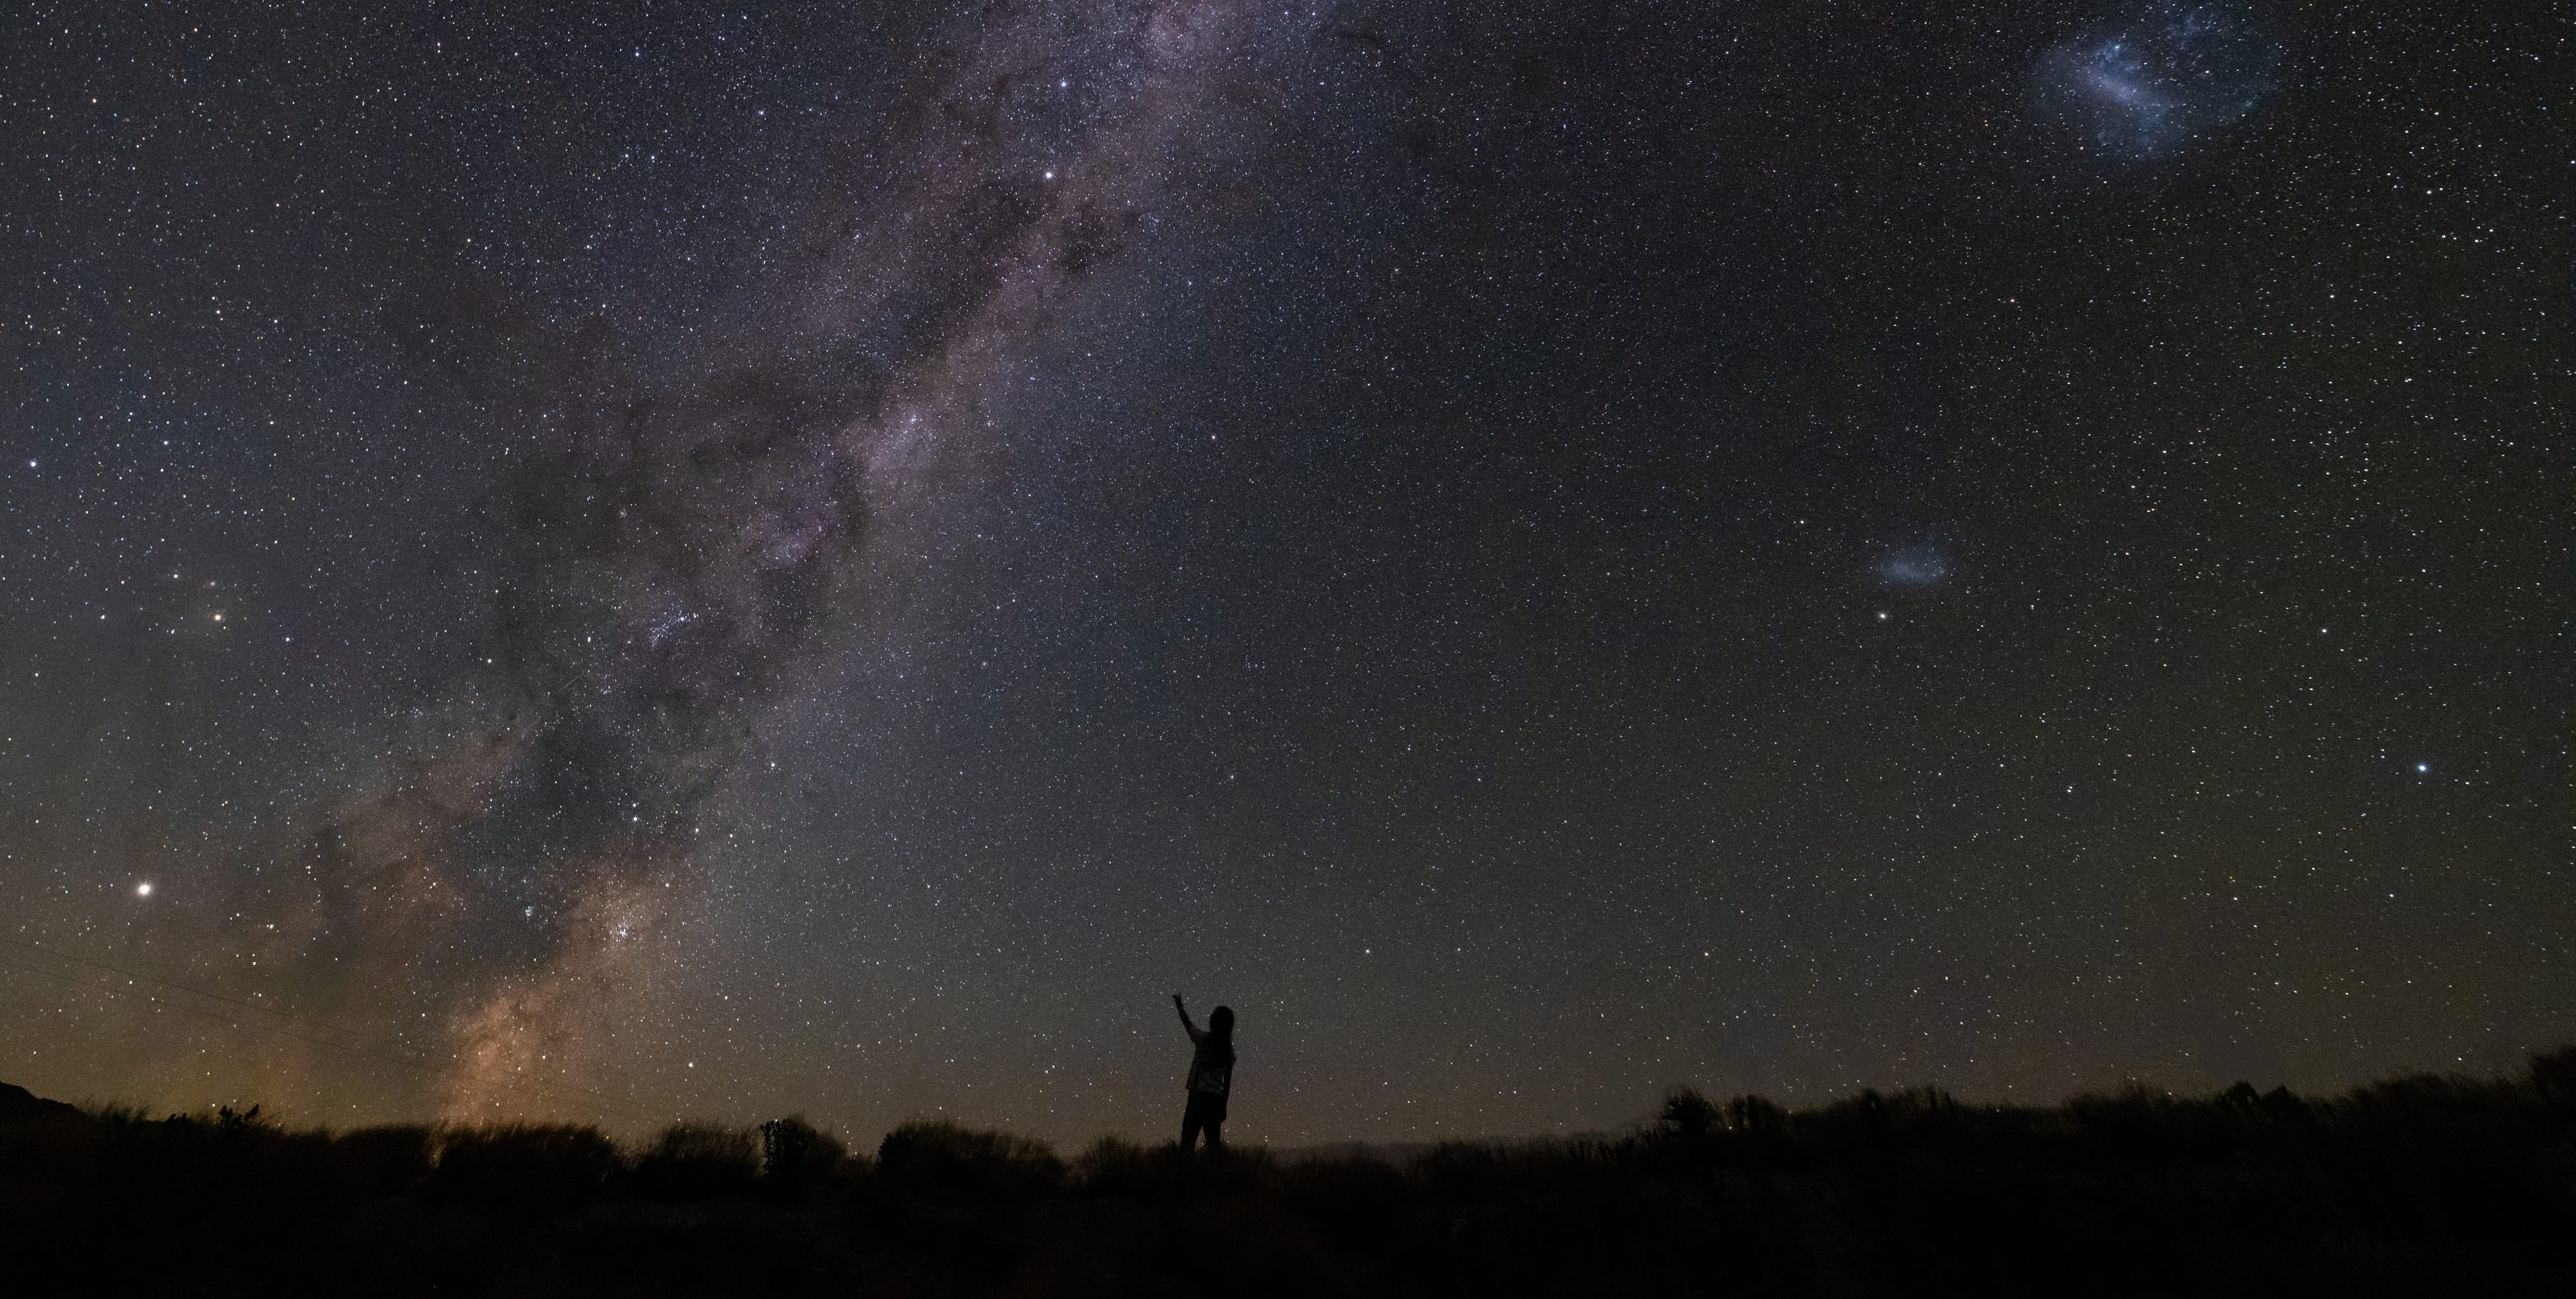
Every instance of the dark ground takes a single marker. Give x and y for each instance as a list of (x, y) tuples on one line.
[(2415, 1186)]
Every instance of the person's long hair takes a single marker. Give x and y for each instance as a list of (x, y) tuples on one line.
[(1221, 1027)]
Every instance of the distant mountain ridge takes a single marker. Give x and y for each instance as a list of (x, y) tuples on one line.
[(19, 1103)]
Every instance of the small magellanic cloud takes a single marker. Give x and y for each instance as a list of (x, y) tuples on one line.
[(1924, 564)]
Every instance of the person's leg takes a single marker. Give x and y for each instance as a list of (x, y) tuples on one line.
[(1191, 1121), (1216, 1133)]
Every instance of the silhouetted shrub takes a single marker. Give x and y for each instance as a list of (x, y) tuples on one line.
[(534, 1168), (935, 1156), (1753, 1116), (385, 1161), (1117, 1166), (796, 1158), (698, 1161), (2553, 1077), (1687, 1117)]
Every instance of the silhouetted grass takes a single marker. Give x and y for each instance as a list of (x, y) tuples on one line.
[(2412, 1186)]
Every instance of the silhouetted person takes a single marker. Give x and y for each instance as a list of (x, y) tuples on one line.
[(1211, 1076)]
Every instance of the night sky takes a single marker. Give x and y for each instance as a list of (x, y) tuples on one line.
[(643, 560)]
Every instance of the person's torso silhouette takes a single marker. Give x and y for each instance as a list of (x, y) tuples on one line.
[(1211, 1076)]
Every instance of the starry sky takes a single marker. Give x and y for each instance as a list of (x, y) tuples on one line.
[(633, 560)]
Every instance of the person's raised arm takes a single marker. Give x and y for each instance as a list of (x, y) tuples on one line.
[(1185, 1017)]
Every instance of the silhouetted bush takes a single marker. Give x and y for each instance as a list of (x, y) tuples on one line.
[(937, 1157), (698, 1161), (525, 1168), (1687, 1120), (2554, 1077), (797, 1159), (1117, 1166), (385, 1161)]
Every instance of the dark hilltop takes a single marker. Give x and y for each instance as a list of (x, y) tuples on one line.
[(2412, 1186)]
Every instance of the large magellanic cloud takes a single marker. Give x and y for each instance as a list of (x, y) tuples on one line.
[(2159, 80)]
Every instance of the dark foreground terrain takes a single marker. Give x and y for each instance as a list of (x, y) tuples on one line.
[(2419, 1186)]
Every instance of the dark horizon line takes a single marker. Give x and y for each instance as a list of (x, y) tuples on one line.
[(2543, 1071)]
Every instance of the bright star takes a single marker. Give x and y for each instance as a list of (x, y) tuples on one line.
[(143, 890), (2423, 766)]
